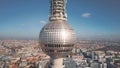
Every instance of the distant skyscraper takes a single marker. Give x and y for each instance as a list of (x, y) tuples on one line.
[(57, 38)]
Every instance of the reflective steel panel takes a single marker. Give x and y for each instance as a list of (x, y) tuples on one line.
[(57, 37)]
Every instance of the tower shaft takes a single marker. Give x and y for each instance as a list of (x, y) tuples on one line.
[(57, 63), (58, 10)]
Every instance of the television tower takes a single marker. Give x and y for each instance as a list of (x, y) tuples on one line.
[(57, 38)]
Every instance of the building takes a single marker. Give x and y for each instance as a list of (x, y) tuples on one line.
[(57, 38)]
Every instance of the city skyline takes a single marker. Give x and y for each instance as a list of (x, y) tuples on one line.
[(90, 19)]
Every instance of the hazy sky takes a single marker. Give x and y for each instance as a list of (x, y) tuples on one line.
[(89, 18)]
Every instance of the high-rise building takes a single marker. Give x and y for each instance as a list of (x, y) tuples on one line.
[(57, 38)]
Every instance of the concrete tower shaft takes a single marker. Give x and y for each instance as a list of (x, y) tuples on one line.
[(58, 10)]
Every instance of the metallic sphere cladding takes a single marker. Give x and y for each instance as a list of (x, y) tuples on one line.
[(57, 38)]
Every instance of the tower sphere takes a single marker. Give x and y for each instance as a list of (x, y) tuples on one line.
[(57, 38)]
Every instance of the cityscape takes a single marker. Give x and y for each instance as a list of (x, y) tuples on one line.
[(59, 34), (85, 54)]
